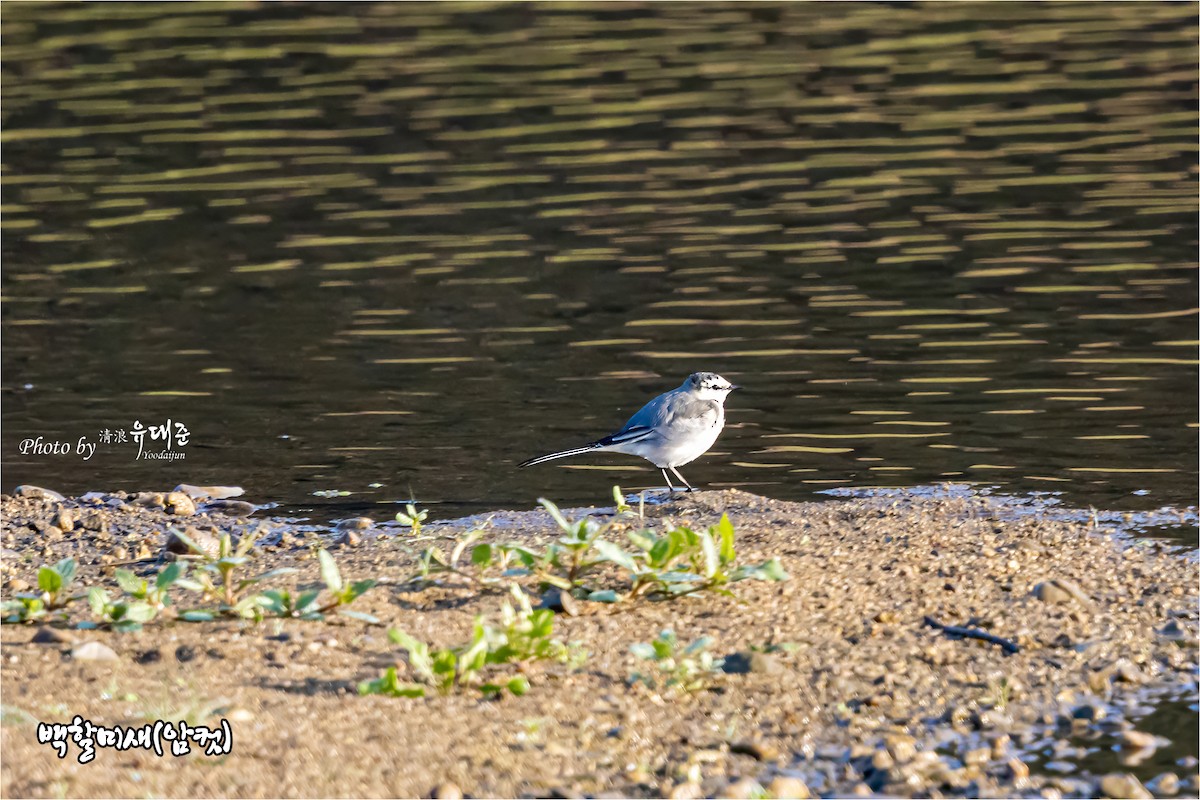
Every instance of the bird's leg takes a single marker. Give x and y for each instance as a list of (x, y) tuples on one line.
[(668, 479), (685, 483)]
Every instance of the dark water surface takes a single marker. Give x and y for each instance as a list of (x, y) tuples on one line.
[(412, 245)]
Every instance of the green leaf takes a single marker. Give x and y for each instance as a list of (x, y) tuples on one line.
[(49, 580), (481, 555), (444, 662), (559, 519), (643, 650), (197, 615), (130, 583), (610, 552), (725, 531), (773, 570), (712, 560), (140, 612), (98, 600), (346, 612), (173, 572), (329, 571), (306, 599), (356, 590), (66, 570), (603, 596), (518, 685)]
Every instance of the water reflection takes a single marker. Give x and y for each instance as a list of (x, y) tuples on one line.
[(415, 244)]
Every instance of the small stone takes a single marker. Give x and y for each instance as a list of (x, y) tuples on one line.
[(1018, 770), (903, 748), (1139, 740), (234, 508), (93, 651), (1171, 630), (38, 493), (244, 715), (149, 656), (784, 788), (978, 757), (47, 635), (882, 760), (1088, 713), (53, 533), (1123, 785), (205, 541), (17, 585), (1125, 671), (560, 602), (1164, 784), (185, 653), (349, 538), (447, 791), (65, 519), (755, 749), (150, 499), (180, 504), (209, 492), (356, 524), (743, 789), (1059, 590), (686, 791)]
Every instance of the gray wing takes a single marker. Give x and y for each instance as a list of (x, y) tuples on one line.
[(665, 414)]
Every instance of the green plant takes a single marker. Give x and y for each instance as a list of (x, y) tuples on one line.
[(525, 635), (282, 603), (229, 592), (411, 518), (53, 582), (687, 670), (148, 599), (678, 562)]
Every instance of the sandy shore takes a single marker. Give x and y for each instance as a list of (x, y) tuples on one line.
[(837, 681)]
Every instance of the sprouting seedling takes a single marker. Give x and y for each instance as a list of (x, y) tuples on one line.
[(230, 590), (619, 500), (305, 605), (410, 517), (525, 635), (154, 594), (120, 614), (688, 670), (53, 582)]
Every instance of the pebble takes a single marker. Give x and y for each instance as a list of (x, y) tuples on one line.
[(17, 585), (1123, 785), (764, 663), (356, 524), (349, 537), (180, 504), (93, 651), (1059, 590), (1139, 739), (1164, 784), (46, 635), (185, 653), (209, 492), (149, 656), (38, 493), (65, 519), (755, 749), (447, 791), (686, 791), (560, 602), (234, 508), (743, 789), (785, 788), (205, 541)]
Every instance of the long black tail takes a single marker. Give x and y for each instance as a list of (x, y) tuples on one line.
[(561, 454)]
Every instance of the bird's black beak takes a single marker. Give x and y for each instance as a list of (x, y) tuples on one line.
[(733, 387)]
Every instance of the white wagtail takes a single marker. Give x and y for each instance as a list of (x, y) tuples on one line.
[(671, 430)]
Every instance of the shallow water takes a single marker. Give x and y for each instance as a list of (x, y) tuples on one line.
[(412, 245)]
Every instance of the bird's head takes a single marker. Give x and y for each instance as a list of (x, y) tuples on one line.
[(708, 386)]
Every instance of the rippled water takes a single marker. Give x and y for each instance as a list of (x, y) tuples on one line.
[(412, 245)]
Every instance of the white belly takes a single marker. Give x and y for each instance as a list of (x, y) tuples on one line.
[(679, 450)]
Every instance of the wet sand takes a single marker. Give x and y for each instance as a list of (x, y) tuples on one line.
[(838, 681)]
